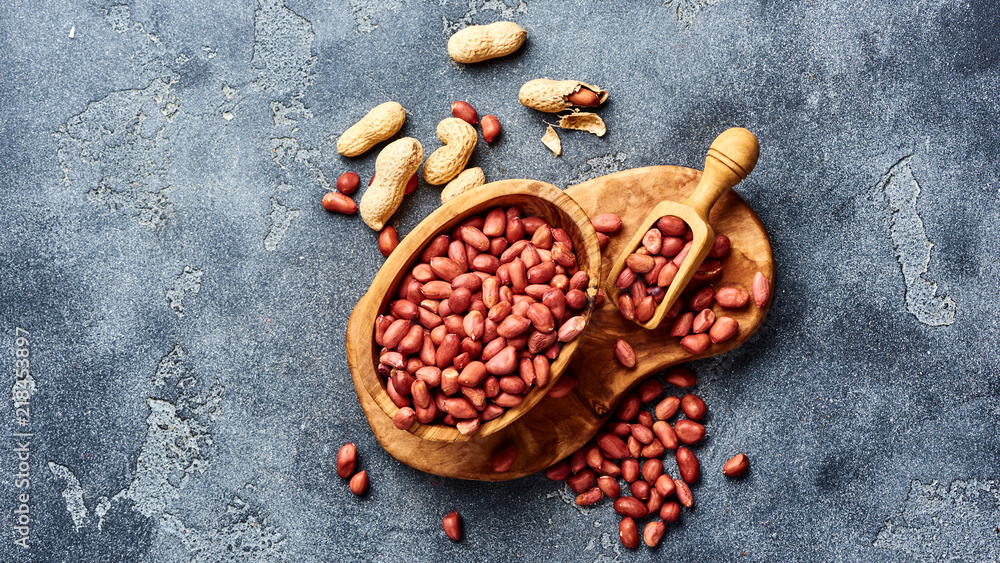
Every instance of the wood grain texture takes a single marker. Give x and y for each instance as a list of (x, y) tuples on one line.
[(555, 428)]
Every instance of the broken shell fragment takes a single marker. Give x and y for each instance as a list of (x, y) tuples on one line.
[(584, 121), (551, 140)]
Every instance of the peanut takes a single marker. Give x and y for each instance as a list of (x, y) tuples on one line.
[(640, 490), (649, 390), (665, 434), (491, 128), (624, 353), (736, 466), (584, 97), (388, 240), (687, 465), (465, 112), (761, 290), (628, 533), (404, 417), (665, 485), (630, 506), (731, 297), (612, 446), (452, 524), (653, 533), (339, 203), (628, 409), (703, 321), (609, 486), (720, 247), (630, 470), (655, 501), (667, 408), (562, 387), (445, 163), (695, 344), (468, 179), (347, 460), (382, 122), (504, 457), (723, 329), (683, 493), (393, 168), (347, 183), (582, 481), (693, 406), (559, 471), (553, 96), (359, 483), (670, 512), (478, 43), (652, 470), (680, 376), (589, 497), (688, 431)]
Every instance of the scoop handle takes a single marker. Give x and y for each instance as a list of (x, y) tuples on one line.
[(731, 158)]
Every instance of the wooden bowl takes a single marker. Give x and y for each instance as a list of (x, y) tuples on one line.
[(534, 198)]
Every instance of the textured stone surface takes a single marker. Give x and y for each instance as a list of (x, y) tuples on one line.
[(185, 295)]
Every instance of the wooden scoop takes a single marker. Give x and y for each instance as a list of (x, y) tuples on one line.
[(730, 159)]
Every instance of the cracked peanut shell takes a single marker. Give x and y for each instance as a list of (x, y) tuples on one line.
[(550, 96)]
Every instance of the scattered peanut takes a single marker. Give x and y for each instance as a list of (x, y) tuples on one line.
[(736, 466), (465, 112), (624, 353), (452, 524), (491, 127), (628, 533), (445, 163), (683, 493), (553, 96), (687, 465), (339, 203), (589, 497), (653, 533), (347, 183), (347, 460), (388, 240), (693, 406), (359, 483), (397, 162), (504, 457), (670, 511), (382, 122), (680, 376), (469, 178), (481, 42)]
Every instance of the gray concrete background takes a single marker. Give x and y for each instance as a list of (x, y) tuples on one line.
[(186, 296)]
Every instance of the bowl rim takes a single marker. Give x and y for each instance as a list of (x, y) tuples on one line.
[(443, 220)]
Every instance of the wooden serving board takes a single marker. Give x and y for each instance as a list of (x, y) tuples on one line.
[(556, 428)]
